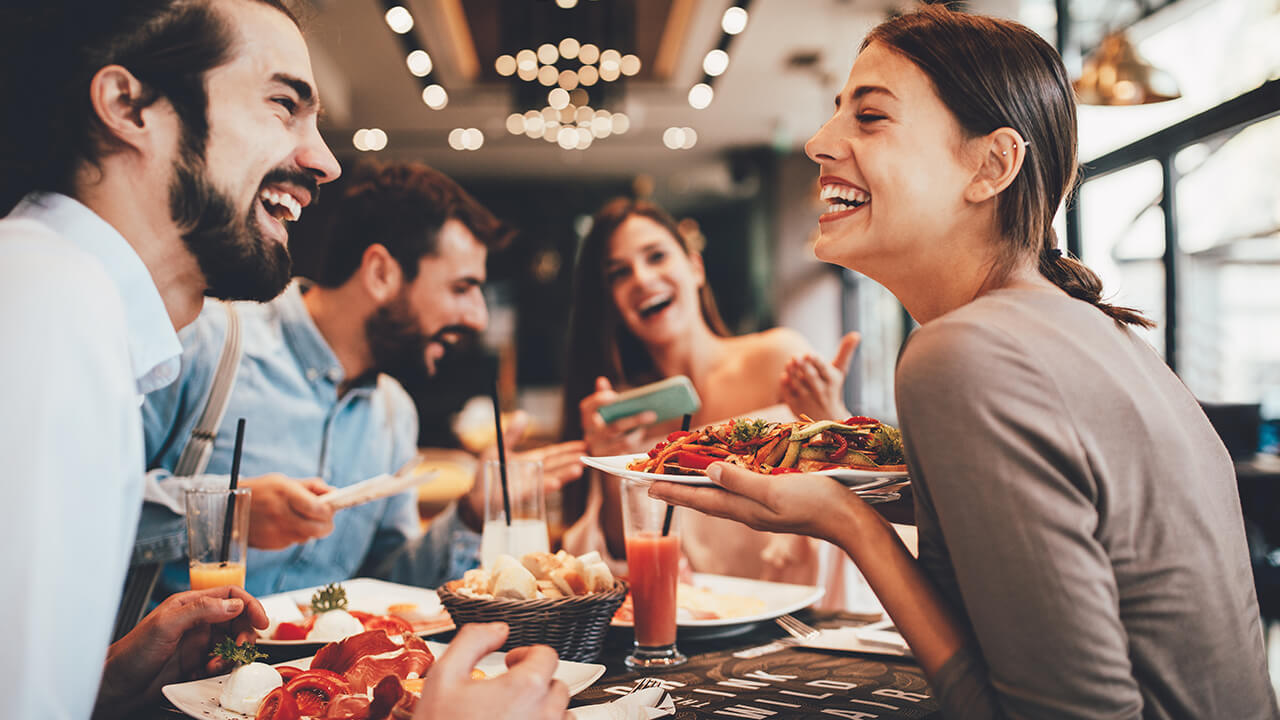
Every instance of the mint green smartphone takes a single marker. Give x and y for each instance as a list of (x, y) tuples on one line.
[(669, 398)]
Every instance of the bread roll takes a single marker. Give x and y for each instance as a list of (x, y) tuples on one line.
[(549, 590), (540, 564), (516, 583), (478, 581), (599, 577), (569, 582)]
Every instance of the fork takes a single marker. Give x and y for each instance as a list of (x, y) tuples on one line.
[(801, 631), (644, 684)]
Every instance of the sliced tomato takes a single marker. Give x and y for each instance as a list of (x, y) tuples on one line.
[(293, 630), (313, 689), (693, 460), (288, 672), (278, 705), (392, 624)]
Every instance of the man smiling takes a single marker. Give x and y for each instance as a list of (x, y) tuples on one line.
[(150, 150)]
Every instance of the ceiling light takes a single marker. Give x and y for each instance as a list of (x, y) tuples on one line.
[(547, 54), (673, 138), (1115, 74), (515, 124), (505, 65), (550, 115), (566, 4), (527, 59), (361, 139), (611, 59), (567, 137), (455, 139), (601, 127), (569, 48), (734, 20), (435, 97), (630, 65), (609, 73), (588, 75), (690, 139), (568, 79), (715, 63), (620, 122), (558, 98), (472, 139), (528, 74), (376, 139), (584, 138), (547, 75), (419, 63), (584, 115), (399, 19), (579, 97), (588, 54), (700, 96)]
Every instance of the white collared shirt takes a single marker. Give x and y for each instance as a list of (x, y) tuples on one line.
[(84, 332)]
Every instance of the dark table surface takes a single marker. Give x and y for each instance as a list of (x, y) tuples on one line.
[(787, 683)]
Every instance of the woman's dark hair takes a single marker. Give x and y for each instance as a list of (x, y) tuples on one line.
[(51, 49), (600, 344), (402, 207), (993, 73)]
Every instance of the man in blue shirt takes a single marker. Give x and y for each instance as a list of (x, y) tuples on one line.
[(402, 281)]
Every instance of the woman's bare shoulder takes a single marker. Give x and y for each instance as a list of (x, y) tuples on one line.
[(778, 344)]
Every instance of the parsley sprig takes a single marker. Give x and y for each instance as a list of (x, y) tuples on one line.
[(330, 597), (237, 654)]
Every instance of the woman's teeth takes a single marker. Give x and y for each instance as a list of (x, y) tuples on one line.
[(281, 206), (844, 197), (653, 306)]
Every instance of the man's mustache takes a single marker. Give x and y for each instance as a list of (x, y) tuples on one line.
[(295, 176)]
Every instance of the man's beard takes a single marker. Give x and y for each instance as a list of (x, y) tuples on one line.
[(397, 345), (237, 261)]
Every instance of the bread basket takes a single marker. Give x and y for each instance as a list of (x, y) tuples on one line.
[(575, 626)]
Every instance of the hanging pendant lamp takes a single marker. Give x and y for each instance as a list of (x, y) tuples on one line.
[(1115, 74)]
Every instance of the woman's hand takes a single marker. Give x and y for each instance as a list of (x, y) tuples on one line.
[(811, 386), (814, 505), (622, 436)]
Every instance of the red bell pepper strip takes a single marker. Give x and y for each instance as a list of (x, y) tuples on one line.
[(676, 435), (693, 460), (861, 420), (783, 471), (840, 451)]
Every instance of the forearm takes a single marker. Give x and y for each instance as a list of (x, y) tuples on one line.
[(928, 625)]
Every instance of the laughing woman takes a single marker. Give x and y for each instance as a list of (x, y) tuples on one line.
[(642, 312), (1082, 552)]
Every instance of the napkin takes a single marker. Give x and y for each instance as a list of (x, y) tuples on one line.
[(644, 704)]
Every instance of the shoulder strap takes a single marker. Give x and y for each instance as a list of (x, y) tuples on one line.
[(195, 455)]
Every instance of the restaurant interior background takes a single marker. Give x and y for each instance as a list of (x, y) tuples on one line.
[(544, 109)]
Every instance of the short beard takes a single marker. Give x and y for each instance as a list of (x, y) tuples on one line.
[(397, 345), (237, 261)]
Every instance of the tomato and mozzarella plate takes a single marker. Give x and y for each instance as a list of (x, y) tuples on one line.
[(363, 677), (334, 625)]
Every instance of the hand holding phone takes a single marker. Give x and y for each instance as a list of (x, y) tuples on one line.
[(669, 398)]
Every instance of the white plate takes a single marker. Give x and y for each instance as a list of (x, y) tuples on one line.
[(366, 595), (199, 698), (858, 480), (779, 599)]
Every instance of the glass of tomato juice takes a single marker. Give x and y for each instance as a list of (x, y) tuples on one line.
[(215, 517), (653, 561)]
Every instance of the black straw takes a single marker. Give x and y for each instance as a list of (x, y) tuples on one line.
[(231, 497), (502, 450), (666, 521)]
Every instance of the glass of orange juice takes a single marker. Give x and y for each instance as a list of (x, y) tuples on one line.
[(653, 563), (215, 517)]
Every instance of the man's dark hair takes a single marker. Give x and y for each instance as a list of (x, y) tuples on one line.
[(51, 49), (401, 207)]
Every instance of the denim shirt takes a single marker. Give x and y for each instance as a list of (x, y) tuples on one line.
[(287, 389)]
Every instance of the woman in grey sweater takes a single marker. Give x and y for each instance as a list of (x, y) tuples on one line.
[(1082, 551)]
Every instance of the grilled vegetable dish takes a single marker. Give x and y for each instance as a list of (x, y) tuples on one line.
[(859, 443)]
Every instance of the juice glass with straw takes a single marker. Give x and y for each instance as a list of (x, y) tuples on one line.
[(206, 522), (653, 561)]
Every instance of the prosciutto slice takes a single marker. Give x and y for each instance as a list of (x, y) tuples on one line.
[(369, 670), (341, 655)]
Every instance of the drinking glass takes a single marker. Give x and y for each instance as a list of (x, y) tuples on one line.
[(653, 562), (209, 527), (527, 531)]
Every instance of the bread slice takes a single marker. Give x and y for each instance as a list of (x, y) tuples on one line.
[(516, 583)]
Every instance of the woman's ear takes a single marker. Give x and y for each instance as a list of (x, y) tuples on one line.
[(699, 269), (380, 274), (1001, 153)]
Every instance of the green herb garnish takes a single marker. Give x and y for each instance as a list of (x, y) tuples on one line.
[(886, 442), (237, 654), (330, 597), (747, 430)]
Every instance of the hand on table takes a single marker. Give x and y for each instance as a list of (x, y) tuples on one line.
[(625, 435), (795, 503), (525, 691), (284, 511), (814, 387), (172, 644)]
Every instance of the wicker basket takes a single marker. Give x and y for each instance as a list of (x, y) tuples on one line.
[(574, 626)]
